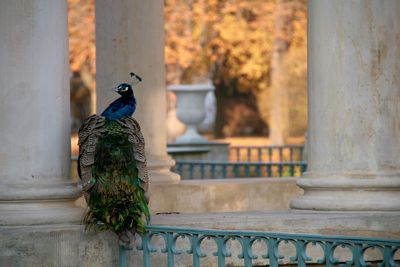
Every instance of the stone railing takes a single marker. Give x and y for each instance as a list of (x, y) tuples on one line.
[(246, 161), (196, 169), (278, 153)]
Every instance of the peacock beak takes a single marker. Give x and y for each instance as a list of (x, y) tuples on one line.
[(116, 89)]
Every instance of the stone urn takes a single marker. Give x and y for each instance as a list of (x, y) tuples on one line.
[(191, 109)]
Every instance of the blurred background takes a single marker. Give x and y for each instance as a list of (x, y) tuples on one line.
[(253, 51)]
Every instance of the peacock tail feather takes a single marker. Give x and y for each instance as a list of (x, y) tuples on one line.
[(112, 166)]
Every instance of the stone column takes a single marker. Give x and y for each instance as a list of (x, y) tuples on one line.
[(130, 37), (34, 115), (354, 106)]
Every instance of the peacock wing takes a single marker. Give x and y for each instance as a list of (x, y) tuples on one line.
[(89, 132), (132, 128)]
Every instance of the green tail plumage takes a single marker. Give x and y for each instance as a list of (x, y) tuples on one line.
[(117, 201)]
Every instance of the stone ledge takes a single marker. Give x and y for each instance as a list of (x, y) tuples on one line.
[(223, 195), (56, 245), (39, 213)]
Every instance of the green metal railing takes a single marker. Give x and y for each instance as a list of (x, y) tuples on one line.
[(216, 170), (387, 250), (278, 153)]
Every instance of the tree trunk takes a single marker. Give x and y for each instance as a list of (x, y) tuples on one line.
[(220, 116), (279, 107)]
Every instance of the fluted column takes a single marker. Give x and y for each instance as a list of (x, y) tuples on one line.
[(354, 106), (130, 37), (34, 114)]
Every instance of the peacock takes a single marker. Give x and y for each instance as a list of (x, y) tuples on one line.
[(112, 167)]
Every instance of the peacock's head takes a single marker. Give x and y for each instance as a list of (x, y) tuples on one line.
[(124, 89)]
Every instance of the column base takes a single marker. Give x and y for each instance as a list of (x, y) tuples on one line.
[(159, 170), (356, 193), (38, 204)]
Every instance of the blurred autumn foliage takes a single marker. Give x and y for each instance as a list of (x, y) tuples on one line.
[(254, 51)]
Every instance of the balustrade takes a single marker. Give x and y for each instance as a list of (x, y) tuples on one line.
[(216, 170), (332, 250)]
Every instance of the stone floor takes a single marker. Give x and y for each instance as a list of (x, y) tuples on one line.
[(371, 224)]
